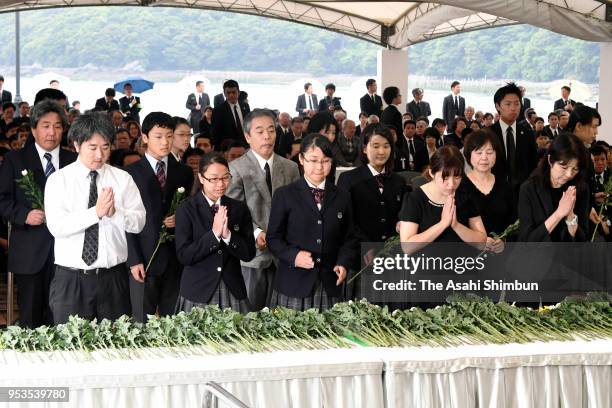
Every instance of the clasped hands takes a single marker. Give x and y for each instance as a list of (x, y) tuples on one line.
[(105, 206), (220, 223)]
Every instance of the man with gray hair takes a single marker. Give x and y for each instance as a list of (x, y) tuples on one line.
[(30, 255), (418, 107), (350, 145), (255, 177), (90, 206)]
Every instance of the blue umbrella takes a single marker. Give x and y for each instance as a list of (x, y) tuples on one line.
[(139, 84)]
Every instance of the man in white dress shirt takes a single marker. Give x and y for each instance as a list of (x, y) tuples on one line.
[(89, 206)]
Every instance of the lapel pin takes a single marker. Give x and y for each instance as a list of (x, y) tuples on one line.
[(339, 215), (236, 227)]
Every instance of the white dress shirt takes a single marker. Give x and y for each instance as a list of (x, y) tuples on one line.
[(376, 173), (238, 110), (262, 162), (210, 204), (504, 129), (54, 156), (320, 186), (66, 200), (153, 162)]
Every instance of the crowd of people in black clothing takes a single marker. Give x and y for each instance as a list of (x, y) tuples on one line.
[(278, 205)]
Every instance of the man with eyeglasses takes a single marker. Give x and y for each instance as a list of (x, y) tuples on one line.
[(256, 176), (158, 176)]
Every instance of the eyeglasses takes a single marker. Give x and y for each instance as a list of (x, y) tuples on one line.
[(324, 162), (215, 180)]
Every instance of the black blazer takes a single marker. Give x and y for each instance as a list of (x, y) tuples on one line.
[(206, 259), (526, 155), (368, 106), (282, 144), (132, 111), (157, 203), (6, 96), (297, 224), (448, 109), (560, 104), (224, 124), (30, 245), (548, 131), (525, 104), (195, 115), (535, 206), (402, 154), (392, 117), (102, 105), (422, 109), (325, 103), (301, 104), (218, 100), (375, 215)]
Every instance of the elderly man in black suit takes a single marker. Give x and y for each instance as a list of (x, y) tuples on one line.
[(453, 104), (307, 103), (196, 102), (517, 149), (30, 255), (158, 177), (565, 102), (5, 96), (371, 103), (391, 116), (108, 103), (130, 104), (418, 108), (228, 117)]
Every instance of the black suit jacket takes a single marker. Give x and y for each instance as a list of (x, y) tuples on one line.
[(157, 203), (449, 112), (297, 224), (370, 107), (560, 104), (6, 96), (102, 105), (392, 117), (207, 260), (133, 111), (224, 124), (375, 215), (402, 157), (301, 104), (548, 131), (422, 109), (526, 155), (525, 104), (30, 246), (195, 115), (325, 103), (218, 100), (535, 205), (282, 144)]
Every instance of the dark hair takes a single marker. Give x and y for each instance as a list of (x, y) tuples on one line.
[(580, 114), (330, 86), (567, 88), (48, 106), (408, 121), (312, 140), (160, 119), (448, 160), (230, 83), (49, 93), (7, 105), (86, 125), (125, 153), (228, 146), (206, 136), (488, 115), (466, 132), (563, 148), (122, 130), (208, 108), (126, 85), (297, 119), (370, 82), (390, 93), (552, 114), (602, 143), (211, 158), (454, 84), (382, 131), (257, 113), (1, 78), (307, 85), (109, 92), (422, 119), (598, 149), (417, 91), (431, 132), (192, 151), (539, 119), (476, 140), (52, 81), (438, 121), (509, 89), (320, 120), (459, 119), (178, 120), (199, 83), (363, 114)]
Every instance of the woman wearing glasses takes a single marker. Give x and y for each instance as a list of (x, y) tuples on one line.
[(213, 234), (309, 232)]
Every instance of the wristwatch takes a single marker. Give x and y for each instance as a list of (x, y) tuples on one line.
[(572, 222)]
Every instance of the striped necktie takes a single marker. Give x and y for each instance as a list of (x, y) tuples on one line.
[(50, 168)]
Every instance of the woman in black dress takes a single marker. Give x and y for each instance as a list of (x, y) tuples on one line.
[(206, 122), (492, 195), (436, 212), (456, 138), (309, 233), (213, 234)]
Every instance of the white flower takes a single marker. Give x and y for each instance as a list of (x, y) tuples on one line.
[(265, 310), (181, 190), (24, 172)]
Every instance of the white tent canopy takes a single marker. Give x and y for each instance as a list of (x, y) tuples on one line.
[(394, 24)]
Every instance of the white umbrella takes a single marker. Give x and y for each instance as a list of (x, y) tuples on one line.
[(580, 91)]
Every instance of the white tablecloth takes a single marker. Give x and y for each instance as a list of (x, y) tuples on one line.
[(538, 375)]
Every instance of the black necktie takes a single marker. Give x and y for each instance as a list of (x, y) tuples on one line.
[(411, 147), (373, 99), (214, 208), (50, 167), (457, 104), (268, 177), (510, 152), (90, 243), (200, 101), (238, 123)]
